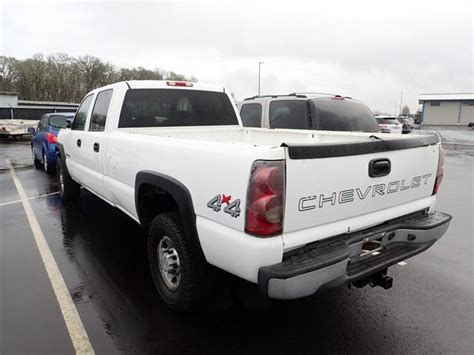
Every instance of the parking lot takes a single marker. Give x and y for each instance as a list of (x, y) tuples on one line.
[(101, 254)]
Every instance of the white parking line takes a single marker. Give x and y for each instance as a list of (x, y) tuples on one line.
[(74, 325), (29, 198)]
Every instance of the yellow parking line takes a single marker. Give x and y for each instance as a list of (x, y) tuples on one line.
[(77, 332)]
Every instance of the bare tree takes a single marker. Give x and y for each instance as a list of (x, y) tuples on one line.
[(405, 110), (63, 78), (8, 73)]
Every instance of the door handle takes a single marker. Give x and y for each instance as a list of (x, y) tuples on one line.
[(96, 147), (79, 142)]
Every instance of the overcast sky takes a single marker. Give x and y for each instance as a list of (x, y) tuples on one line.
[(371, 51)]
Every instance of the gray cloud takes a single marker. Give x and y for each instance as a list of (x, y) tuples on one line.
[(370, 51)]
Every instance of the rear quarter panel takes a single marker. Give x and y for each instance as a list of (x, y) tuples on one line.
[(207, 169)]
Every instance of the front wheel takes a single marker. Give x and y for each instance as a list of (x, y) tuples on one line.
[(69, 190), (177, 271)]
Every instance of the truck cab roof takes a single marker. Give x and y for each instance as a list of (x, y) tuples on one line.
[(161, 84)]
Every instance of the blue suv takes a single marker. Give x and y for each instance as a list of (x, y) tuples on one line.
[(43, 143)]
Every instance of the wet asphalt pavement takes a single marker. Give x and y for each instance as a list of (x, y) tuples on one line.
[(102, 257)]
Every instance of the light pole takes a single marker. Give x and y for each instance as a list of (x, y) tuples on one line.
[(259, 70), (401, 100)]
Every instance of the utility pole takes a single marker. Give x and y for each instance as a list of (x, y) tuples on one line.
[(401, 100), (259, 70)]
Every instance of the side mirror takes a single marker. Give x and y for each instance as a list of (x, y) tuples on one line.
[(68, 124), (31, 130)]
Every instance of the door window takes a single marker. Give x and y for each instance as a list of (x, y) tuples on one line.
[(44, 124), (99, 113), (40, 123), (251, 115), (81, 115), (288, 114)]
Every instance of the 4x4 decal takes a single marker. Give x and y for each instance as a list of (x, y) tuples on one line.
[(232, 208)]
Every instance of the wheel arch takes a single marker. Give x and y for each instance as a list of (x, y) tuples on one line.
[(167, 194), (61, 155)]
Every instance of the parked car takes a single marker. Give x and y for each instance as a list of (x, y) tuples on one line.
[(406, 125), (388, 124), (43, 142), (313, 111), (408, 119), (292, 211)]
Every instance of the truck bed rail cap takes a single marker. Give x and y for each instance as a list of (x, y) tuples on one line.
[(328, 150)]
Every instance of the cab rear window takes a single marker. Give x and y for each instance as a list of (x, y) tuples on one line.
[(387, 120), (176, 107), (58, 121)]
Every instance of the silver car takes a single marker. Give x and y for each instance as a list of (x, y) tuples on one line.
[(388, 124)]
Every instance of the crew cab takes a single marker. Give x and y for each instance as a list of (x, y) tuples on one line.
[(315, 111), (292, 211)]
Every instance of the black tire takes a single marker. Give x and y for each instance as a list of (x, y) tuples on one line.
[(36, 162), (46, 166), (69, 190), (190, 289)]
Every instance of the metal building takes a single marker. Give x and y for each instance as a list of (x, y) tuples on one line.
[(447, 109), (12, 108)]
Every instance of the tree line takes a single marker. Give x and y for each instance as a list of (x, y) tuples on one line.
[(64, 78)]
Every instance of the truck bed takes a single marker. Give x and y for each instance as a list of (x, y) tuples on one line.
[(328, 187), (257, 136)]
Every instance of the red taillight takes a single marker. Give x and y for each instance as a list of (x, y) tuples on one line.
[(265, 198), (440, 171), (382, 125), (51, 138), (179, 83)]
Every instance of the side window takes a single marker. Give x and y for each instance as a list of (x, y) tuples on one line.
[(251, 115), (288, 114), (44, 124), (40, 124), (81, 115), (99, 113)]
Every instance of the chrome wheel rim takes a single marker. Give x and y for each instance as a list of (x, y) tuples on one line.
[(61, 180), (168, 263)]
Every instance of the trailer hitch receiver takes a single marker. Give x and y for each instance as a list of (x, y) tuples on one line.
[(381, 279)]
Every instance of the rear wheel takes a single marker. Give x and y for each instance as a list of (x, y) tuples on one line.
[(47, 167), (69, 190), (176, 270), (36, 161)]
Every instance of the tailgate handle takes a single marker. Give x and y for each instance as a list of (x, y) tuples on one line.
[(379, 167)]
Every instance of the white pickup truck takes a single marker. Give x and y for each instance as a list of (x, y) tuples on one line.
[(292, 211)]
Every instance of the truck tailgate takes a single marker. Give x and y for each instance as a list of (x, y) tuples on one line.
[(327, 183)]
